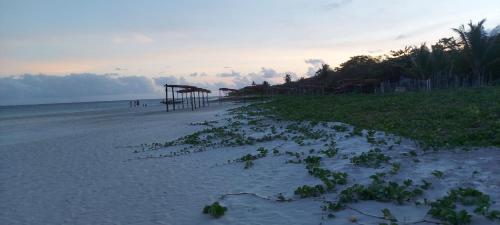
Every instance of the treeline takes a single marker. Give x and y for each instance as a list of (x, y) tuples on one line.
[(472, 58)]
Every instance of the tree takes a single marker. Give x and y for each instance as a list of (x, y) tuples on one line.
[(476, 48), (288, 79), (265, 84), (323, 72), (360, 67), (422, 62), (253, 83)]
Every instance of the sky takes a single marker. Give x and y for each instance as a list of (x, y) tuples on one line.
[(208, 43)]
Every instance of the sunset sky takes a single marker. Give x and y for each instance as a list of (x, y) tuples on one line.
[(218, 40)]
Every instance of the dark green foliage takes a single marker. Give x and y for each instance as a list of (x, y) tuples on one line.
[(296, 154), (262, 152), (312, 161), (373, 158), (370, 137), (340, 128), (192, 139), (331, 151), (445, 208), (448, 118), (215, 210), (426, 185), (379, 190), (356, 131), (248, 164), (205, 123), (395, 168), (437, 173), (388, 215), (333, 206), (308, 191), (306, 131), (330, 179), (248, 157)]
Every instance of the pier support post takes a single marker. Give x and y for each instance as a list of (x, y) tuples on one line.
[(191, 100), (208, 104), (173, 99), (199, 100), (166, 95)]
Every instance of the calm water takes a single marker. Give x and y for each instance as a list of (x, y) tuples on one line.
[(20, 111), (25, 111)]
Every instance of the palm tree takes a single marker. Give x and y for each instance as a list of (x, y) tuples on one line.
[(288, 79), (422, 61), (476, 48)]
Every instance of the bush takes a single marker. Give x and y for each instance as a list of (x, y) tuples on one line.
[(373, 158), (215, 210), (308, 191)]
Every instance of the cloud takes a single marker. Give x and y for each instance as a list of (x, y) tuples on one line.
[(135, 38), (160, 81), (198, 75), (314, 65), (232, 74), (36, 89), (265, 74), (315, 61), (401, 37), (337, 4), (39, 89), (240, 82), (269, 73)]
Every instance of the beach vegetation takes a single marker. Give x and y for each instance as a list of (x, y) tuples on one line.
[(373, 158), (438, 173), (215, 210), (438, 119), (310, 191), (395, 168), (446, 210)]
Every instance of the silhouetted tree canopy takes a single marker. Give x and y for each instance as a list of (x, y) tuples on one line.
[(288, 79), (473, 57)]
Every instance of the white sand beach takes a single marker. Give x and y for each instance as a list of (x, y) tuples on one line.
[(89, 168)]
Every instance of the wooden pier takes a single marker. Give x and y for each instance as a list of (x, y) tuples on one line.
[(224, 93), (187, 96)]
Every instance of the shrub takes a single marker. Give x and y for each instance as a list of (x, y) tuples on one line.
[(373, 158), (308, 191), (215, 210), (445, 208)]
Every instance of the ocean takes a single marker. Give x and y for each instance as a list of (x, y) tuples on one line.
[(60, 109)]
